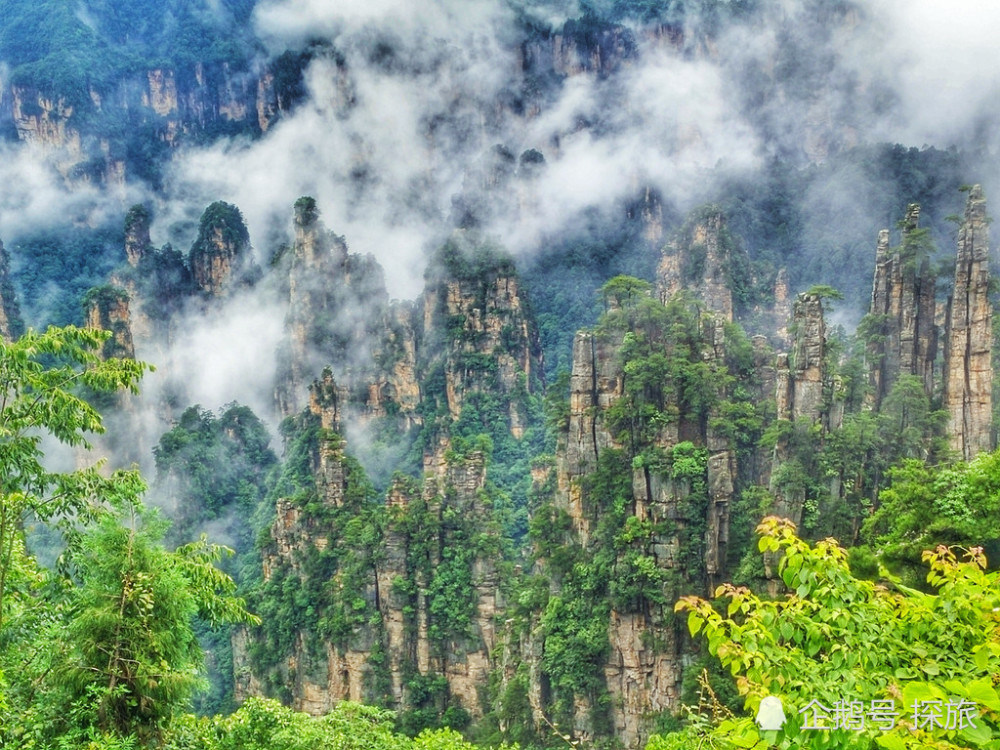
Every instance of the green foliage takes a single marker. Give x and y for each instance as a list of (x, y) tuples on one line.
[(102, 650), (104, 296), (924, 506), (824, 291), (133, 650), (214, 467), (66, 54), (57, 264), (461, 260), (213, 471), (306, 211), (262, 724), (838, 638), (38, 376), (625, 291)]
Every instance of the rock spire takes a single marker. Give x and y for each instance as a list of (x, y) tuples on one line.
[(968, 367)]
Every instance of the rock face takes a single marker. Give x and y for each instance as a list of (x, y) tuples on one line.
[(137, 240), (576, 49), (478, 327), (421, 612), (968, 368), (45, 122), (107, 310), (802, 374), (11, 325), (170, 104), (700, 259), (221, 258), (804, 392), (903, 310), (337, 310)]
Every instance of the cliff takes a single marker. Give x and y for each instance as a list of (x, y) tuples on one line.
[(805, 394), (968, 369), (903, 310), (478, 329), (403, 596), (337, 311), (803, 375), (220, 258), (11, 325), (704, 258), (107, 309), (163, 108), (701, 258)]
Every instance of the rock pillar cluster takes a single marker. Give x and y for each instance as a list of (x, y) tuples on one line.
[(903, 310), (905, 333)]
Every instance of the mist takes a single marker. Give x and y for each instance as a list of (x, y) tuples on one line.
[(406, 102)]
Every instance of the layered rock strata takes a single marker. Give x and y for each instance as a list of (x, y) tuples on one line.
[(968, 369), (700, 259), (903, 310)]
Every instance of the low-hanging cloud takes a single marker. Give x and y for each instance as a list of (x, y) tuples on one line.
[(400, 119)]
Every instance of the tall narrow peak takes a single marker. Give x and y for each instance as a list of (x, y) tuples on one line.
[(902, 309), (801, 389), (968, 369), (11, 324), (478, 323), (221, 257), (106, 309), (805, 393), (337, 310), (137, 241)]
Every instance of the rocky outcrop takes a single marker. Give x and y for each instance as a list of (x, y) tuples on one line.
[(902, 310), (802, 375), (700, 259), (968, 370), (395, 389), (137, 241), (596, 382), (580, 46), (337, 312), (168, 104), (46, 122), (107, 309), (11, 325), (803, 390), (220, 258), (478, 325)]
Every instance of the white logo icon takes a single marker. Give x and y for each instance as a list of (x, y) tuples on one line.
[(771, 714)]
